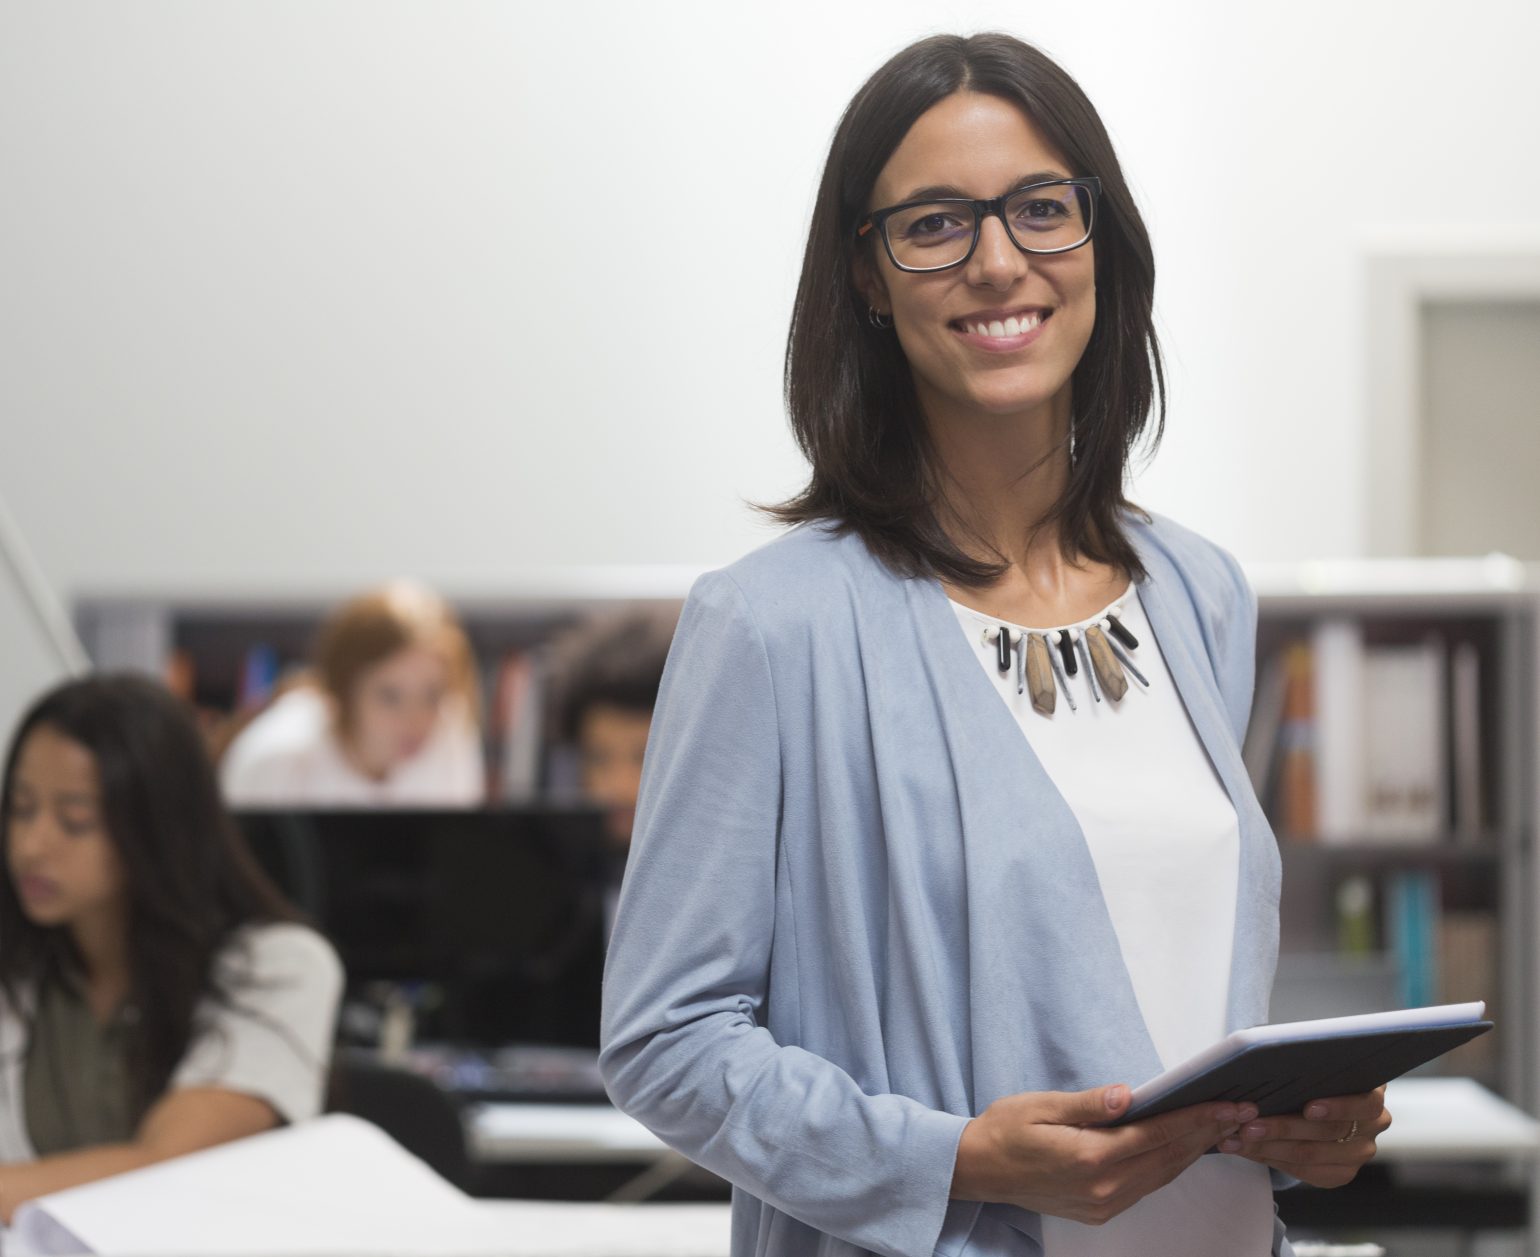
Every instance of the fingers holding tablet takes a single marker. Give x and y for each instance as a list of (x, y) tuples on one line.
[(1325, 1146)]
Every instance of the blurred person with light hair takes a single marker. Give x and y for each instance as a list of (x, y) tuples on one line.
[(387, 718)]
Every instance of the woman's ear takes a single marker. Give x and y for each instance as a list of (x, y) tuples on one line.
[(870, 284)]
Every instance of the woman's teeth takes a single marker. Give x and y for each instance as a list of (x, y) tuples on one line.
[(1006, 327)]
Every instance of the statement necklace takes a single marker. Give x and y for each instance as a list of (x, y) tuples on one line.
[(1046, 659)]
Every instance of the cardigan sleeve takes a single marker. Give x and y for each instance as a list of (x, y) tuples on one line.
[(684, 1047)]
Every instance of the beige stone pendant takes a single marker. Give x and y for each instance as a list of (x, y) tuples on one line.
[(1108, 670), (1039, 673)]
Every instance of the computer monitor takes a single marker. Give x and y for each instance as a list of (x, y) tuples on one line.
[(495, 918)]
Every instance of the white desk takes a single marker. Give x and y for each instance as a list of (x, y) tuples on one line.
[(506, 1134), (1433, 1119), (1454, 1119), (544, 1229), (510, 1134)]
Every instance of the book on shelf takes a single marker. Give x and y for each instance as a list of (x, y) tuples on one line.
[(1465, 731), (514, 733), (1296, 806), (525, 735), (1468, 947), (259, 676), (1405, 739), (181, 674), (1342, 702), (1412, 933), (1354, 742)]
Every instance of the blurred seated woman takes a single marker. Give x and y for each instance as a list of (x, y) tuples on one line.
[(388, 718), (157, 995)]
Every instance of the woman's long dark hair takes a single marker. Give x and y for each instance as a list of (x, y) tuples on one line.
[(190, 879), (849, 391)]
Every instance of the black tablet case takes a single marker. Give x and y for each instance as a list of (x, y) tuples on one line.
[(1284, 1077)]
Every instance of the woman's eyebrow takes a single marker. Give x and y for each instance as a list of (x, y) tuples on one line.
[(937, 191)]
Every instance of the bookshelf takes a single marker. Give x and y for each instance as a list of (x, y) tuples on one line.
[(1393, 743)]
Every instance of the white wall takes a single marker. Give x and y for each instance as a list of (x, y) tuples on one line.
[(311, 292)]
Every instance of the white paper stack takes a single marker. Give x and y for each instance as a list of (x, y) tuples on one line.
[(333, 1186)]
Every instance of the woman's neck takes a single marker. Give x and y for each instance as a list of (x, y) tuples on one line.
[(102, 942), (1001, 476)]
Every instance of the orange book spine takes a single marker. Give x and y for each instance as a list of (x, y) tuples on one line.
[(1296, 776)]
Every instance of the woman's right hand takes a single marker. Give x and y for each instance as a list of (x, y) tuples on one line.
[(1048, 1152)]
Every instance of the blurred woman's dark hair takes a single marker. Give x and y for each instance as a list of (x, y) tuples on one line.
[(849, 391), (190, 879)]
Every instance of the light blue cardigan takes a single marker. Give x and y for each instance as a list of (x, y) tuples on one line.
[(857, 910)]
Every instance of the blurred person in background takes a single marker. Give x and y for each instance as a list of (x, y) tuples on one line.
[(387, 718), (606, 675), (157, 995)]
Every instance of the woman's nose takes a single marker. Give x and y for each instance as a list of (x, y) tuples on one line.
[(27, 840), (996, 262)]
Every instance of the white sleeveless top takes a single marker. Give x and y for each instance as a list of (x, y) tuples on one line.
[(1166, 846)]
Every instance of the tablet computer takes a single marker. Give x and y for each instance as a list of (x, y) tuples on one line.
[(1281, 1068)]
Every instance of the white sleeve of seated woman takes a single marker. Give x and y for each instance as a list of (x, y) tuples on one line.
[(271, 1035)]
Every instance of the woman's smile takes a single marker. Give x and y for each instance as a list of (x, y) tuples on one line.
[(1002, 331)]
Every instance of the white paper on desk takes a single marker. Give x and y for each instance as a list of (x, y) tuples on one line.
[(332, 1186)]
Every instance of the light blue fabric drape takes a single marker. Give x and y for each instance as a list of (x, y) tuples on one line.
[(857, 910)]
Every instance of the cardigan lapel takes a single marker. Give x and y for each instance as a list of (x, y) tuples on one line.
[(1055, 963), (1175, 626)]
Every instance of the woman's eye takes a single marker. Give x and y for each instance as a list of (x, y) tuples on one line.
[(933, 226), (1041, 212)]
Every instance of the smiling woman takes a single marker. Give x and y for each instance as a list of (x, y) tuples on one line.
[(992, 134), (952, 918)]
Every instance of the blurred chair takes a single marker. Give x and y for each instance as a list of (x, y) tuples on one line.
[(411, 1109)]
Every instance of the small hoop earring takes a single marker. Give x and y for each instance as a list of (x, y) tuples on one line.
[(877, 318)]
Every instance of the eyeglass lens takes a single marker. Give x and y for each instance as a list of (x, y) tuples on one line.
[(938, 234)]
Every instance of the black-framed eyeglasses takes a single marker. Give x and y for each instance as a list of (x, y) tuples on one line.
[(934, 235)]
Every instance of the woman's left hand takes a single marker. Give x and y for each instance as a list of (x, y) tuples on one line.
[(1325, 1147)]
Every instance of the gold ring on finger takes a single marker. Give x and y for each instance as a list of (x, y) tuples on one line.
[(1350, 1133)]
